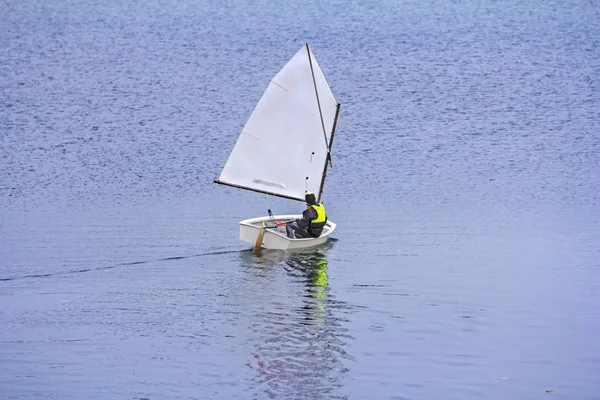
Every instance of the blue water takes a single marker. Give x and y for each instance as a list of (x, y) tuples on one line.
[(465, 185)]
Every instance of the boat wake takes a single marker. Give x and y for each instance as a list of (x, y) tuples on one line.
[(126, 264)]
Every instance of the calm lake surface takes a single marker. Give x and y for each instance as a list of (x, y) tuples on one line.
[(465, 186)]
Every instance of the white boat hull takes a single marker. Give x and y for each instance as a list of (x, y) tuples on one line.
[(276, 239)]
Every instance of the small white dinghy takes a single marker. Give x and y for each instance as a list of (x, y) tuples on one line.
[(274, 235), (285, 148)]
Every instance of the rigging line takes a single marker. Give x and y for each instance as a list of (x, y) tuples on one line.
[(267, 201), (271, 216), (312, 71)]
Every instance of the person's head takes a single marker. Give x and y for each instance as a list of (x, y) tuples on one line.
[(310, 198)]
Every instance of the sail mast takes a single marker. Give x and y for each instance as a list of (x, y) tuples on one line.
[(312, 71), (328, 158)]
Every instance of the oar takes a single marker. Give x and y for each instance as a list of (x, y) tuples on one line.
[(259, 239)]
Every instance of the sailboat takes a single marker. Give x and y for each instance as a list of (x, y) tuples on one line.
[(284, 149)]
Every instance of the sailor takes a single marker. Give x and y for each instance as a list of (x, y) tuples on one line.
[(312, 222)]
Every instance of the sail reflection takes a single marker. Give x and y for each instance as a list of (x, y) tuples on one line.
[(296, 331)]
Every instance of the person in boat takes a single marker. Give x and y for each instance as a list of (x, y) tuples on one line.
[(312, 222)]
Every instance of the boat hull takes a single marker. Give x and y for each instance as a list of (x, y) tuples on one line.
[(275, 238)]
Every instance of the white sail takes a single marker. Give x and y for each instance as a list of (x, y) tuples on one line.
[(286, 138)]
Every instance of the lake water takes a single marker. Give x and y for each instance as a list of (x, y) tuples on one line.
[(465, 185)]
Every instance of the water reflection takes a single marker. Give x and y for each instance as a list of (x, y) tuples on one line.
[(296, 330)]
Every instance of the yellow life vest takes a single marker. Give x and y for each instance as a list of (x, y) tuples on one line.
[(321, 216)]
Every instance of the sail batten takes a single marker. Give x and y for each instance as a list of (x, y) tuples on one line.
[(280, 150)]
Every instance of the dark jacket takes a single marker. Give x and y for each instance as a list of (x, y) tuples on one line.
[(313, 229)]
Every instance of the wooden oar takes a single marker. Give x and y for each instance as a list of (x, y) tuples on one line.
[(259, 239)]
